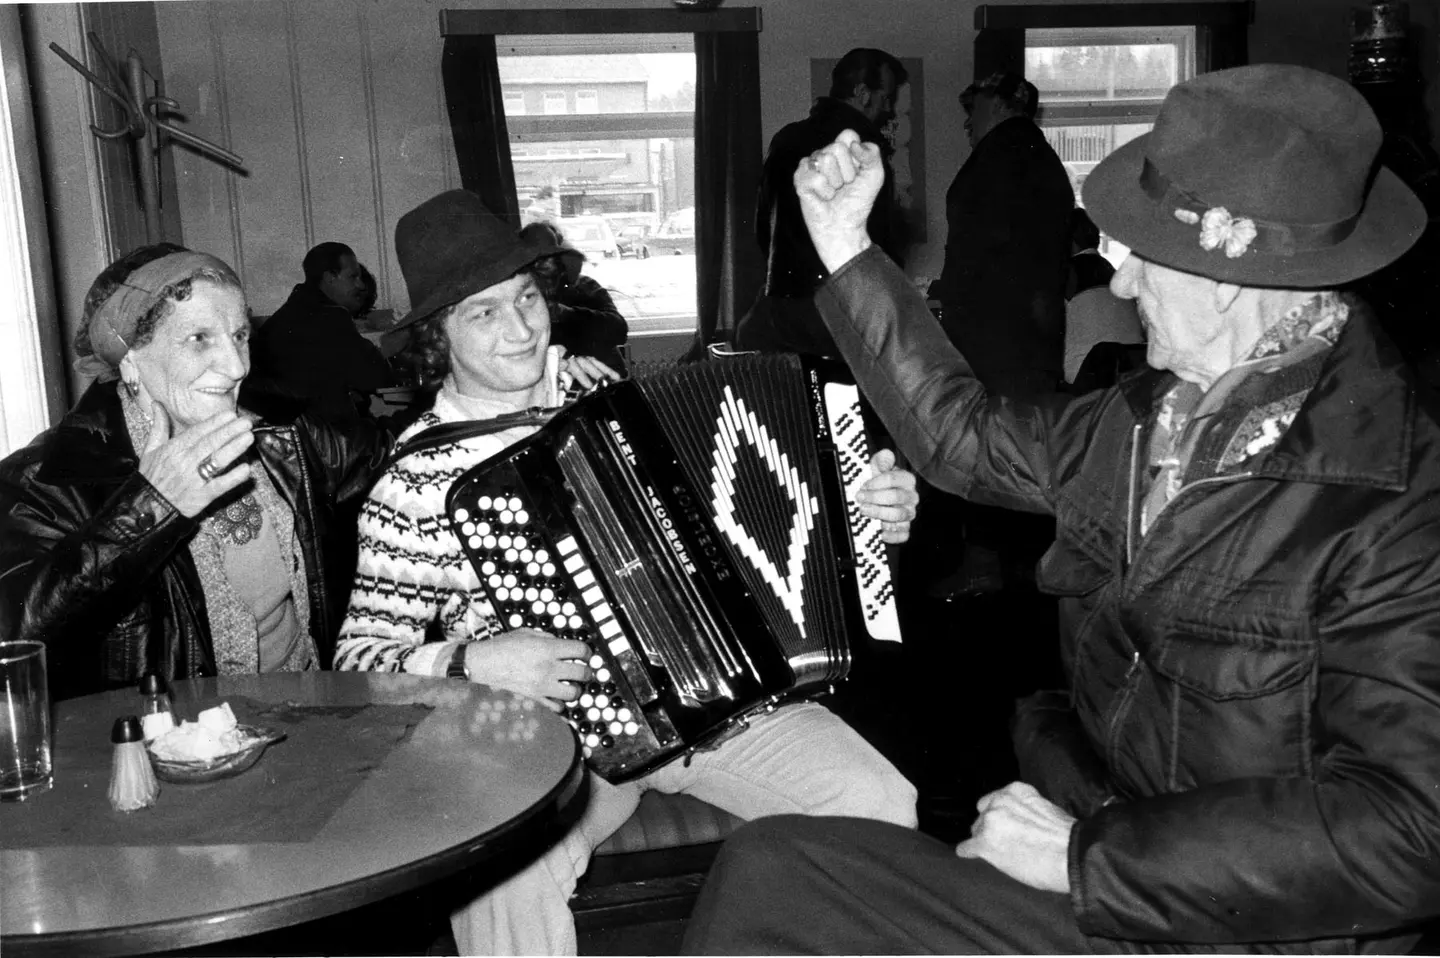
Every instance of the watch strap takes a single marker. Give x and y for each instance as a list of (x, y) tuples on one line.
[(456, 669)]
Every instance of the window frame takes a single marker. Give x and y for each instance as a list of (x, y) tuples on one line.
[(1102, 112), (725, 124)]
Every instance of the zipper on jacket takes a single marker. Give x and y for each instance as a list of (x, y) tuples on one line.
[(1122, 706), (1135, 520), (1131, 520)]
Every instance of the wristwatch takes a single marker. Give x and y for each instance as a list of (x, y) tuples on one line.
[(457, 668)]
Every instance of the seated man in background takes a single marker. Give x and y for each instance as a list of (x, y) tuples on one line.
[(583, 317), (482, 332), (1248, 757), (1094, 315), (308, 355)]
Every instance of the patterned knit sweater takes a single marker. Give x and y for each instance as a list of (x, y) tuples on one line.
[(411, 570)]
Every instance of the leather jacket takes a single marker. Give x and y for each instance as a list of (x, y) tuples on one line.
[(93, 560), (1251, 736)]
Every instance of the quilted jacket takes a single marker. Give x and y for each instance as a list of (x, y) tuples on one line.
[(1251, 735)]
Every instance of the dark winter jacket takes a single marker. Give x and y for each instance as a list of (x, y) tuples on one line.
[(1251, 736), (584, 320), (93, 560), (309, 351), (794, 266), (1007, 252)]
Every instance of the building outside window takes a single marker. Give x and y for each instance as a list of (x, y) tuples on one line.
[(618, 168), (1101, 87), (515, 104)]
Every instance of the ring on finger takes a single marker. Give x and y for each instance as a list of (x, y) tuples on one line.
[(207, 469)]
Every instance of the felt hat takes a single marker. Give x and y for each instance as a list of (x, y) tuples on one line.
[(1262, 175), (451, 246)]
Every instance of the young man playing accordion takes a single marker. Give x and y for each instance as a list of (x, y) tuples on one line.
[(481, 332)]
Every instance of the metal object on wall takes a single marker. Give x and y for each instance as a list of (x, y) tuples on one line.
[(1378, 42), (144, 121)]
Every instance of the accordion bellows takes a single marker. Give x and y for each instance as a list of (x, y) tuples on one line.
[(697, 529)]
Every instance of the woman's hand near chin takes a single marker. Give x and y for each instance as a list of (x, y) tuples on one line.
[(193, 469)]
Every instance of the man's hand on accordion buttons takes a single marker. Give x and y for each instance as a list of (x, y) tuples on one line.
[(889, 495), (532, 663)]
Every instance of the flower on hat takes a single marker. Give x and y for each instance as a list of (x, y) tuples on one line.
[(1218, 228)]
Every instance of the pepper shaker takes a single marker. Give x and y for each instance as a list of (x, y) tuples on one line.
[(132, 780)]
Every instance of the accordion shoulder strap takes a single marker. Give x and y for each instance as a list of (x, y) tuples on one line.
[(447, 433)]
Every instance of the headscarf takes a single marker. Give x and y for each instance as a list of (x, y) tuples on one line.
[(111, 327)]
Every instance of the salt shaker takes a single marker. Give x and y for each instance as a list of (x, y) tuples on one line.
[(157, 712), (132, 780)]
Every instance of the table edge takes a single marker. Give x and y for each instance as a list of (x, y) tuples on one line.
[(269, 916)]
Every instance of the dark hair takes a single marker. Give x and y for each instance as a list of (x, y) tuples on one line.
[(542, 231), (426, 354), (112, 276), (1083, 231), (323, 259), (1017, 93), (863, 65)]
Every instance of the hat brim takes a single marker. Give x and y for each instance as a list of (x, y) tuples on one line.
[(488, 274), (1390, 223)]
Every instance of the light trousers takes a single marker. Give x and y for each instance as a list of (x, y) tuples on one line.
[(799, 759)]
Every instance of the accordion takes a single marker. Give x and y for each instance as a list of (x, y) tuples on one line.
[(697, 529)]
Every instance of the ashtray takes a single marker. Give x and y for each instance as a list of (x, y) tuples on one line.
[(223, 766)]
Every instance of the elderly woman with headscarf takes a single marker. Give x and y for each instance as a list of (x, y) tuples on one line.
[(159, 527)]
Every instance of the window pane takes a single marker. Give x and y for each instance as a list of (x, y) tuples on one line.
[(554, 102), (1080, 149), (1112, 72), (619, 190), (1100, 88), (514, 104)]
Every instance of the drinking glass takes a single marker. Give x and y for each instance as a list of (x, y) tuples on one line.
[(25, 768)]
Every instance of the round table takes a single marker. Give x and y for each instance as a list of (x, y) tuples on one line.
[(458, 790)]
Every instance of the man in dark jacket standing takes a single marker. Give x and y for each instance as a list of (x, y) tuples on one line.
[(863, 88), (1248, 756), (308, 356), (1002, 288)]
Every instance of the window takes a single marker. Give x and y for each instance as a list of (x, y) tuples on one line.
[(1100, 87), (515, 104), (609, 179)]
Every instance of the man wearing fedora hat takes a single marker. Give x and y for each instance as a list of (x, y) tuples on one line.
[(481, 324), (1248, 755)]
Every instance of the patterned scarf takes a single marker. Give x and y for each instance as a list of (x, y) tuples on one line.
[(233, 633), (1306, 330)]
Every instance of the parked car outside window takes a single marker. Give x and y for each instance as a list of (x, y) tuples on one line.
[(676, 235), (591, 235), (632, 242)]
